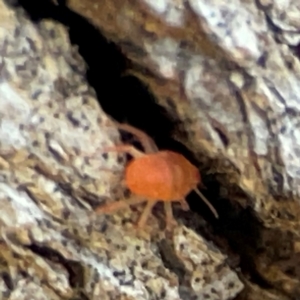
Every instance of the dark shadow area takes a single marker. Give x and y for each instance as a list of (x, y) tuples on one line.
[(74, 268), (126, 99)]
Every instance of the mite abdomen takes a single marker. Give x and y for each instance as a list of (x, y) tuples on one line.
[(165, 175)]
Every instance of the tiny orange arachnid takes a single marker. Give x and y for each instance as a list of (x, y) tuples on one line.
[(155, 176)]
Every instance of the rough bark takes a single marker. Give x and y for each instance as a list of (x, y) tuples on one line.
[(229, 73), (52, 176)]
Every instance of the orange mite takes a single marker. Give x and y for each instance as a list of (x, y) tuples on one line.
[(155, 176)]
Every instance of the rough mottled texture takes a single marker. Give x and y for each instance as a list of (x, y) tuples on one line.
[(225, 71), (52, 245), (285, 16)]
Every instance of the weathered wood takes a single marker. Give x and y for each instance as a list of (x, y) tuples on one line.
[(52, 245), (228, 71)]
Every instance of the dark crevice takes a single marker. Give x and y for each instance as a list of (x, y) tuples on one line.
[(75, 269), (7, 280), (126, 99), (170, 260)]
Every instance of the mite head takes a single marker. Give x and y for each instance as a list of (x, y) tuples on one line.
[(196, 176), (192, 176)]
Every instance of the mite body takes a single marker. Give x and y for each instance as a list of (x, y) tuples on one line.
[(156, 176), (165, 175)]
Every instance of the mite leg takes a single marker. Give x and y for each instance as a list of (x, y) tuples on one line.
[(117, 205), (207, 203), (146, 212), (118, 148), (184, 204), (146, 141), (124, 148), (170, 221)]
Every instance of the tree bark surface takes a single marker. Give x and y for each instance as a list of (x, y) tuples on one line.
[(228, 73), (52, 176)]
